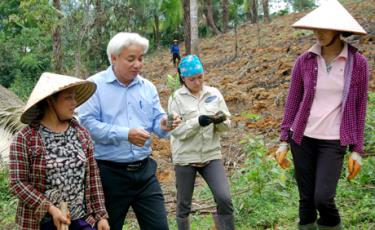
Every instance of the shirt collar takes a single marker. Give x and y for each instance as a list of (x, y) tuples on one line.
[(185, 90), (344, 52), (316, 49), (111, 77)]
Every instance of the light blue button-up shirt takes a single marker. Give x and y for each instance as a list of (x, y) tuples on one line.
[(114, 109)]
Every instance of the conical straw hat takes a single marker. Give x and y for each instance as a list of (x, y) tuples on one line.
[(331, 15), (51, 83)]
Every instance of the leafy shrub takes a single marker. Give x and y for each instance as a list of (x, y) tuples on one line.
[(7, 202)]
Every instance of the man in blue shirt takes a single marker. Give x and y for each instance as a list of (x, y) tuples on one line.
[(175, 51), (120, 117)]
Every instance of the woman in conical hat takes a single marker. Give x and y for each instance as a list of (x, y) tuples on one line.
[(325, 114), (51, 160)]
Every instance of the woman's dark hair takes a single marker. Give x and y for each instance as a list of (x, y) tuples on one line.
[(41, 107), (180, 77), (346, 34)]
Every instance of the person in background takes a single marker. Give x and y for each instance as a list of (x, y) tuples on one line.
[(325, 114), (175, 51), (51, 160), (120, 117), (196, 143)]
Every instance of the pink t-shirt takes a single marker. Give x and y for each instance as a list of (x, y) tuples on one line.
[(325, 115)]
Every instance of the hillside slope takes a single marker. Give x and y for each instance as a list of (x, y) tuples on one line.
[(255, 81)]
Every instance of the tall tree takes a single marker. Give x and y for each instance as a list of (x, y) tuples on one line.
[(225, 6), (173, 23), (209, 16), (248, 12), (194, 27), (156, 29), (254, 11), (153, 10), (56, 37), (98, 40), (187, 30), (299, 5), (251, 7), (80, 24), (266, 13)]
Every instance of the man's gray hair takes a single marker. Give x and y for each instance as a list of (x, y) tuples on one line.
[(123, 40)]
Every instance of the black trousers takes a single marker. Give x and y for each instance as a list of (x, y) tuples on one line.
[(318, 165), (176, 58), (139, 189)]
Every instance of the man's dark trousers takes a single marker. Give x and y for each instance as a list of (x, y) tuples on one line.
[(139, 188)]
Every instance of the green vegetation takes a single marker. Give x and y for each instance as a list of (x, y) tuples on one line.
[(7, 202), (370, 125), (266, 196)]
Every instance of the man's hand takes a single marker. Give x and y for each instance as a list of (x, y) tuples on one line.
[(280, 155), (164, 122), (58, 217), (103, 224), (354, 165), (138, 136)]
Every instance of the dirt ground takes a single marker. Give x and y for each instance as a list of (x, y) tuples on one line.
[(254, 81)]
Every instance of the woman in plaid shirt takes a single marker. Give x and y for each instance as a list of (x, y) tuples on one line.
[(325, 114), (51, 160)]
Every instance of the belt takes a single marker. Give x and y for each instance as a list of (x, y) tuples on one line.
[(128, 166)]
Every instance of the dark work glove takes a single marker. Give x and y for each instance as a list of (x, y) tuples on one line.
[(219, 117), (205, 120)]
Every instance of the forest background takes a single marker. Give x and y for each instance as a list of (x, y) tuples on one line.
[(248, 48)]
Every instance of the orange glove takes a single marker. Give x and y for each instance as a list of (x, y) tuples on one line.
[(280, 155), (354, 164)]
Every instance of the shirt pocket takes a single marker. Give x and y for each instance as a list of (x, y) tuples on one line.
[(189, 112), (36, 163), (211, 105), (144, 112), (36, 152)]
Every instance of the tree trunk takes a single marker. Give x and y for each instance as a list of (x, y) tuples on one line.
[(249, 13), (157, 31), (254, 11), (86, 26), (57, 59), (266, 13), (187, 30), (97, 48), (209, 16), (224, 6), (194, 27)]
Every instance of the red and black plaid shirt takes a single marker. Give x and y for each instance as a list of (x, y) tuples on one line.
[(27, 175)]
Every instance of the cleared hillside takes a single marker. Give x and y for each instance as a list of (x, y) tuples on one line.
[(255, 81)]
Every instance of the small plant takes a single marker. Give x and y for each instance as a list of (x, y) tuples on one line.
[(173, 83), (370, 126), (251, 116)]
